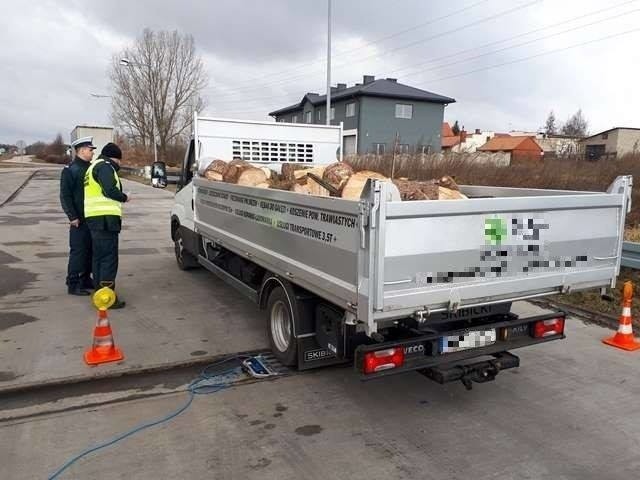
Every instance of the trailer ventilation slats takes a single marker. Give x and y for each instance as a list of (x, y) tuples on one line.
[(252, 151)]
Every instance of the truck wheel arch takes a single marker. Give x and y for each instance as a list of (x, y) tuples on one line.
[(270, 282)]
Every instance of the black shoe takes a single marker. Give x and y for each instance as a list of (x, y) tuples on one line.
[(78, 292), (117, 304)]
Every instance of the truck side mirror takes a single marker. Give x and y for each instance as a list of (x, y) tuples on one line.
[(159, 175)]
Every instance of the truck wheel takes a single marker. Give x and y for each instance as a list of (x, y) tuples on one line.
[(280, 325), (186, 261)]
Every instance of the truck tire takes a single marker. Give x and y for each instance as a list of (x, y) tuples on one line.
[(280, 327), (184, 258)]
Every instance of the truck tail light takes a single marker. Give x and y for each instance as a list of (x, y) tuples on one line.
[(383, 359), (546, 328)]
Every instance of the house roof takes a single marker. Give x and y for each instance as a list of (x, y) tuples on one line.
[(503, 144), (448, 142), (446, 130), (610, 130), (378, 88)]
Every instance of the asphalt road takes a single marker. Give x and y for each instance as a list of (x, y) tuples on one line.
[(172, 317), (569, 412)]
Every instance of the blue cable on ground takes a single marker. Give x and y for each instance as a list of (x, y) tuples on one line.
[(202, 385)]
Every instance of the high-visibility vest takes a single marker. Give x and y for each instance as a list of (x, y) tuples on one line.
[(95, 203)]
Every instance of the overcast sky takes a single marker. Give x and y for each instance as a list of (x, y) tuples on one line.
[(262, 55)]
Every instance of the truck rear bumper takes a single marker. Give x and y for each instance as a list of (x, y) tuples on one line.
[(422, 353)]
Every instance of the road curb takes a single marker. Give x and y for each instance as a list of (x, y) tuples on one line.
[(19, 189), (78, 379)]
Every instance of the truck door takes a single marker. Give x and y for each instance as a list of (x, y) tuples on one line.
[(184, 196)]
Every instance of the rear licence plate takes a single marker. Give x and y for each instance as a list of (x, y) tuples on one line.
[(473, 339)]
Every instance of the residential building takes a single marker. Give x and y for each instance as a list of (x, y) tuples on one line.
[(519, 148), (377, 115), (464, 142), (559, 145), (613, 142)]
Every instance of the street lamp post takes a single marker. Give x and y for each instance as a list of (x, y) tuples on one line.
[(328, 119), (127, 63)]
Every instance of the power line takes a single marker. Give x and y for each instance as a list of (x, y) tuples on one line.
[(521, 44), (233, 101), (549, 52), (240, 91), (497, 42), (373, 42), (520, 60)]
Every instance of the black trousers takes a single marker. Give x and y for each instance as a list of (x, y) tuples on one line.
[(105, 257), (79, 267)]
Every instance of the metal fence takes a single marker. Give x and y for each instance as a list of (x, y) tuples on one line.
[(631, 255)]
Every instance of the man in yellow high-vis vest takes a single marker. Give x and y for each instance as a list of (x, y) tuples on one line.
[(103, 199)]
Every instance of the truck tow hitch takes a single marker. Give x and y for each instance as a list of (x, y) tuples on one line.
[(480, 372)]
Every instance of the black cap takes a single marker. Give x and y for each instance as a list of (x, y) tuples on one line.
[(112, 150)]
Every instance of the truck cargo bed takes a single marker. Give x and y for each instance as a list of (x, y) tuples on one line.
[(383, 260)]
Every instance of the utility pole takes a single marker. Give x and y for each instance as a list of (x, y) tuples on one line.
[(328, 62)]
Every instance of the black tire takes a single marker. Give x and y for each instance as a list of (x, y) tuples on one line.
[(184, 258), (280, 327)]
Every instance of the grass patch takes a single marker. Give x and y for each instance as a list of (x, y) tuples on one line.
[(591, 300)]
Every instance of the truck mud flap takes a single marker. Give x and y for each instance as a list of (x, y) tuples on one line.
[(479, 372)]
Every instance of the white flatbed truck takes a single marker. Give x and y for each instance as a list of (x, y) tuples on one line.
[(390, 286)]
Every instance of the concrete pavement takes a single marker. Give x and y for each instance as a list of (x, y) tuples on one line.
[(569, 412), (171, 316)]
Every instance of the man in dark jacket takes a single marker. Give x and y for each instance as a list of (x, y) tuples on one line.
[(72, 200), (103, 199)]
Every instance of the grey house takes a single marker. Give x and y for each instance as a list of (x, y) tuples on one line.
[(376, 115)]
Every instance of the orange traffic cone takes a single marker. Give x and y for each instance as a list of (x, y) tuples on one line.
[(103, 349), (624, 336)]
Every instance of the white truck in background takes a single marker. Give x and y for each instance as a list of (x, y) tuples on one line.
[(390, 286)]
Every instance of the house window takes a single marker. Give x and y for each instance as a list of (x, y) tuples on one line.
[(379, 148), (294, 119), (350, 110), (307, 117), (404, 110), (605, 136), (332, 113), (403, 148), (318, 115)]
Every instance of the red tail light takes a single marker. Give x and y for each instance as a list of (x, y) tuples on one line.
[(546, 328), (383, 359)]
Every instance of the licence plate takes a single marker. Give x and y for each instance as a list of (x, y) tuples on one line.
[(473, 339)]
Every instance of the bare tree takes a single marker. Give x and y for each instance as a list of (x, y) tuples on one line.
[(165, 76), (550, 127), (456, 128), (576, 126)]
